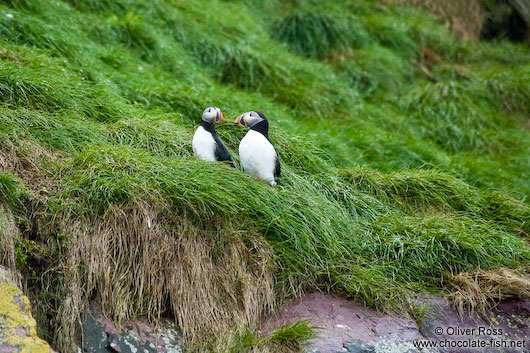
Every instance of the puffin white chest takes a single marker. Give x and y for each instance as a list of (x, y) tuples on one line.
[(258, 156), (204, 145)]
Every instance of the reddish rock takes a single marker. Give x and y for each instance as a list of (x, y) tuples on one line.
[(345, 326), (343, 321)]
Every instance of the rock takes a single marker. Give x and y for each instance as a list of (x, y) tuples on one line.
[(346, 326), (18, 329), (358, 346), (507, 326), (100, 335)]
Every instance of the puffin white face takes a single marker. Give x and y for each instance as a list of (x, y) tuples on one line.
[(250, 119), (212, 115)]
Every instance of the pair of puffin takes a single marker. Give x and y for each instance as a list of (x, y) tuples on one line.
[(257, 155)]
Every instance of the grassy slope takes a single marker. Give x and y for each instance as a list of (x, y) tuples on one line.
[(404, 151)]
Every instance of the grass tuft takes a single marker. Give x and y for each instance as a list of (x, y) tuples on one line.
[(478, 291), (313, 35), (374, 70), (11, 190), (290, 338)]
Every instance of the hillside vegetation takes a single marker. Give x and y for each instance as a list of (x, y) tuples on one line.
[(405, 158)]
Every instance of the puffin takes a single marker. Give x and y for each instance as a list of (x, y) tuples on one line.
[(257, 154), (206, 144)]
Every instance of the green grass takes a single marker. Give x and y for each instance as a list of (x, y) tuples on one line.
[(11, 190), (390, 182), (289, 337)]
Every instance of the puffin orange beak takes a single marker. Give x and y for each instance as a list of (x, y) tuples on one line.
[(238, 120), (221, 116)]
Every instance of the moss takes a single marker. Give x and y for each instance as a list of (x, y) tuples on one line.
[(18, 328)]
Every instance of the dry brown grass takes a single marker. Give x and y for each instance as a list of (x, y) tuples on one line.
[(25, 158), (478, 291), (463, 17), (135, 263)]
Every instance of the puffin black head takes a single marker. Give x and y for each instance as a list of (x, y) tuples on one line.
[(250, 119), (212, 115)]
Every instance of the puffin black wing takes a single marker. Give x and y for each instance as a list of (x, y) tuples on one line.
[(277, 169), (221, 153)]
